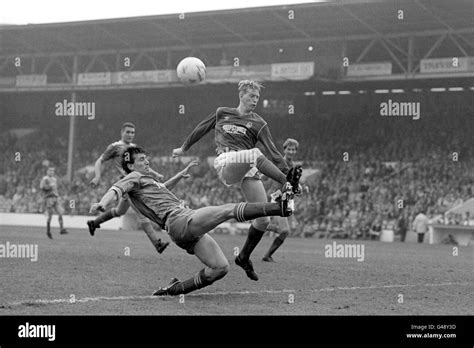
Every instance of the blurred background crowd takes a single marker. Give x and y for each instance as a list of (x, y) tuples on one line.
[(371, 173)]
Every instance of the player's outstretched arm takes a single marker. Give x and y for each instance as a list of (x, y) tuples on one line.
[(201, 130), (108, 198), (97, 171), (171, 183)]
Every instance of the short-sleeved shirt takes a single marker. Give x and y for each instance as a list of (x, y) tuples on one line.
[(114, 152), (151, 198)]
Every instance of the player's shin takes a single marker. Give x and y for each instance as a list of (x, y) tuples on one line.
[(108, 215), (253, 238), (199, 281), (277, 242), (249, 211), (266, 167)]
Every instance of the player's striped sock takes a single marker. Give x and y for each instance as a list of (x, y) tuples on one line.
[(199, 281), (249, 211)]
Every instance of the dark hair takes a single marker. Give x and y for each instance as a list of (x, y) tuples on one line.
[(128, 124), (128, 157)]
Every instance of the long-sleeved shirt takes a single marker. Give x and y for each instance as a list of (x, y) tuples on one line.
[(149, 197), (235, 132)]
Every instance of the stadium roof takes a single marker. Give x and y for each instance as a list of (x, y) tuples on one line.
[(335, 20)]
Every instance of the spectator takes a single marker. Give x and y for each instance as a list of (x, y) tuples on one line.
[(420, 225), (402, 226)]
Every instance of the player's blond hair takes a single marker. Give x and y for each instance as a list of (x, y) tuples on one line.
[(247, 85), (291, 142)]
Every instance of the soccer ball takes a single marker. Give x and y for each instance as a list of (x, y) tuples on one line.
[(191, 70)]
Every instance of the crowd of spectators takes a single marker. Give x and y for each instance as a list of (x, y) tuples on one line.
[(371, 174)]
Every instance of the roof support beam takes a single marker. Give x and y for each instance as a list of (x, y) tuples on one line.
[(91, 63), (291, 24), (394, 57), (366, 50), (430, 51), (5, 63), (456, 43), (466, 41), (372, 29), (114, 36), (451, 31), (233, 32), (56, 61), (243, 44), (27, 45), (169, 32)]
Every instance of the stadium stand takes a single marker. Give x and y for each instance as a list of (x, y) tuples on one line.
[(389, 161)]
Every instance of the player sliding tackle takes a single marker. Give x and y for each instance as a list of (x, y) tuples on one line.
[(237, 132), (114, 152), (187, 228)]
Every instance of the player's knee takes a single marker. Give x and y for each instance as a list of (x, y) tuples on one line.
[(284, 234), (220, 272), (118, 211), (262, 223)]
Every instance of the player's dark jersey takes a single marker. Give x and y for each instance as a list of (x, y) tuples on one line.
[(114, 152), (234, 132), (151, 198), (49, 186)]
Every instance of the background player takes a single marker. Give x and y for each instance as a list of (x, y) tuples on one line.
[(278, 224), (49, 186), (187, 228), (237, 131), (114, 152)]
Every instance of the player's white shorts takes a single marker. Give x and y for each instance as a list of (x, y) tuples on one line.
[(232, 167)]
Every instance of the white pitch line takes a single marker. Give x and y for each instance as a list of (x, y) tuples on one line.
[(224, 293)]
